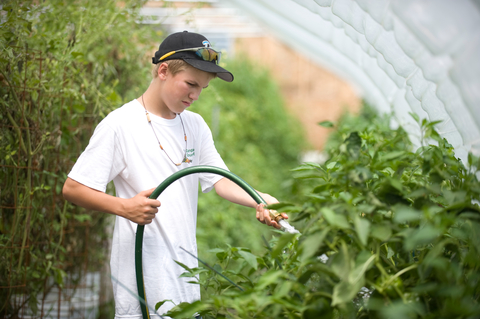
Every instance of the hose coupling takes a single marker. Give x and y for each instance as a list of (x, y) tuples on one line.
[(275, 215)]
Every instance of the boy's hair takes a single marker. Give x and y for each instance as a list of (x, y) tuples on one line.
[(174, 67)]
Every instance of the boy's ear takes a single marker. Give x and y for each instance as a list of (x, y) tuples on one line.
[(162, 71)]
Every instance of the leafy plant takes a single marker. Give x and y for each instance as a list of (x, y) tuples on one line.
[(59, 77), (387, 232)]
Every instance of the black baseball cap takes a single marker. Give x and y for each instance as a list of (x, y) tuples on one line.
[(189, 40)]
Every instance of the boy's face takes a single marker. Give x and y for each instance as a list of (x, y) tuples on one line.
[(183, 88)]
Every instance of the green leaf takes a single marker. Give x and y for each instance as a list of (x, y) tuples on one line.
[(397, 184), (79, 108), (381, 232), (82, 217), (415, 116), (59, 275), (193, 272), (421, 236), (353, 143), (344, 292), (250, 258), (341, 262), (282, 242), (388, 171), (215, 250), (391, 155), (362, 265), (218, 268), (114, 97), (334, 219), (187, 310), (405, 214), (268, 278), (280, 206), (160, 303), (76, 54), (33, 303), (331, 165), (455, 197), (326, 124), (183, 266), (283, 289), (399, 310), (312, 243), (318, 197), (308, 166), (420, 192), (362, 227), (390, 252)]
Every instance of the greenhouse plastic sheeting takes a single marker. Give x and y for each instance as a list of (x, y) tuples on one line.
[(420, 56)]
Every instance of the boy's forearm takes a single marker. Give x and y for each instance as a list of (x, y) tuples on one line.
[(235, 194), (89, 198), (139, 209)]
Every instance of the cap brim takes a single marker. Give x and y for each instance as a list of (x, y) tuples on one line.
[(210, 67)]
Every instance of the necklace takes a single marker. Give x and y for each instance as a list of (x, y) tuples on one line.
[(185, 159)]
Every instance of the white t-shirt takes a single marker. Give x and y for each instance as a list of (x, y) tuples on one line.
[(124, 149)]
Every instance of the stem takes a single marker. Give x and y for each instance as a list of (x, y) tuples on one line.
[(365, 266), (211, 268), (28, 186), (62, 219), (17, 130), (400, 294), (27, 150), (40, 145), (14, 123), (404, 270), (270, 249), (391, 258), (380, 267), (332, 247)]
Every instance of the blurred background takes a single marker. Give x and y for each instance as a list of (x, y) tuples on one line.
[(312, 92)]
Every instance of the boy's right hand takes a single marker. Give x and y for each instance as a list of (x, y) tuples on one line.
[(141, 209)]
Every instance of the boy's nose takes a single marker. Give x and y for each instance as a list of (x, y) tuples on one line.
[(194, 95)]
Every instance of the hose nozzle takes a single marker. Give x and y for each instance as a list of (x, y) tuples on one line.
[(282, 222), (275, 215)]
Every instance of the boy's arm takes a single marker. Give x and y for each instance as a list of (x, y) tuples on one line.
[(234, 193), (139, 209)]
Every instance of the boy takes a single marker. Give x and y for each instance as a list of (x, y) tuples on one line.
[(138, 146)]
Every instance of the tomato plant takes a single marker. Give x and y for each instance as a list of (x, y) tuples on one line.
[(387, 232)]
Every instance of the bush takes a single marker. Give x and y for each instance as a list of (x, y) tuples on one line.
[(387, 232), (61, 72)]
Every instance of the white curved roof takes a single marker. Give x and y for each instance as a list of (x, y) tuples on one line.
[(419, 56)]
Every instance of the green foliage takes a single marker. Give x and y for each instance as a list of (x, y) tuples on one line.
[(387, 232), (63, 65), (258, 140)]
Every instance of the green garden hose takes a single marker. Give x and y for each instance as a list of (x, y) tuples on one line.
[(169, 180)]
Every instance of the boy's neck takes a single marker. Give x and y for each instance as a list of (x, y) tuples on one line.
[(153, 103)]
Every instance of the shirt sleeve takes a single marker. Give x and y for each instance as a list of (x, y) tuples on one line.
[(101, 161), (209, 156)]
